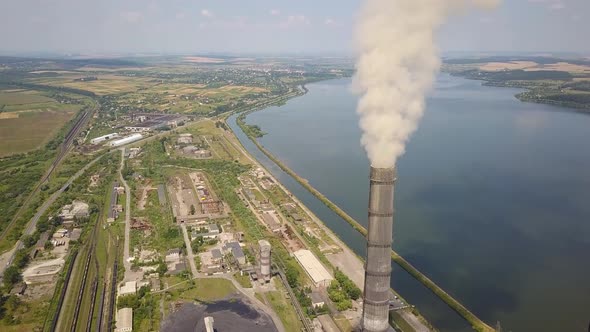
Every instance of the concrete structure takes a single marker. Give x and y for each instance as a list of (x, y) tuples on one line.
[(70, 212), (126, 140), (314, 268), (124, 320), (271, 219), (113, 214), (236, 250), (209, 324), (185, 139), (379, 239), (130, 287), (104, 138), (316, 300), (265, 260)]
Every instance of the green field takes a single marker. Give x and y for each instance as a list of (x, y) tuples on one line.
[(283, 308), (28, 119)]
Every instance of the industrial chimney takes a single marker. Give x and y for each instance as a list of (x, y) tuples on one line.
[(379, 238)]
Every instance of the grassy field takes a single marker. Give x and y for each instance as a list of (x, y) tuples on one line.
[(244, 280), (283, 308), (104, 85), (28, 119), (205, 290)]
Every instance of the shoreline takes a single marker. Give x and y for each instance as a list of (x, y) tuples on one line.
[(476, 323), (417, 321)]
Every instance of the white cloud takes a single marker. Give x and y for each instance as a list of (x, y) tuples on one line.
[(180, 15), (550, 4), (486, 20), (295, 20), (206, 13), (131, 16), (274, 12), (330, 21)]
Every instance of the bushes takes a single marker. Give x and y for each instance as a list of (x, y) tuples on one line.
[(347, 285), (339, 296)]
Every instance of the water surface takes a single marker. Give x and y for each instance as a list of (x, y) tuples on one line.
[(492, 198)]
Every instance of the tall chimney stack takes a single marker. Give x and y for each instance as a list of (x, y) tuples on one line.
[(379, 238)]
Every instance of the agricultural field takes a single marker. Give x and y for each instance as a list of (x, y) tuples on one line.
[(28, 119), (103, 84)]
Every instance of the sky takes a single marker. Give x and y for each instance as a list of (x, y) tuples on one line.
[(270, 27)]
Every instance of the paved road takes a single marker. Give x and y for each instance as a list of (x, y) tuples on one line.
[(7, 258), (189, 251), (126, 262)]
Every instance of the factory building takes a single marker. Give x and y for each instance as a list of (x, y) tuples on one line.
[(264, 260), (104, 138), (236, 250), (313, 267), (126, 140), (124, 320)]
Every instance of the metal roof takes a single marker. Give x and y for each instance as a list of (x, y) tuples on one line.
[(312, 266)]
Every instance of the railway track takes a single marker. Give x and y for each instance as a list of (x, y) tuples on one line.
[(62, 294), (89, 257), (64, 148), (113, 293)]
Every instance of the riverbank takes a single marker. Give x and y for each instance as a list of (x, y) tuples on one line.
[(347, 261), (475, 322)]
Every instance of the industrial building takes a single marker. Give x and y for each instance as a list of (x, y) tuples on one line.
[(104, 138), (124, 320), (185, 139), (153, 121), (271, 219), (313, 267), (71, 212), (130, 287), (126, 140), (236, 250), (264, 260)]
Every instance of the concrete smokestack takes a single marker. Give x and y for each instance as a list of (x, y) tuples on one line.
[(379, 238)]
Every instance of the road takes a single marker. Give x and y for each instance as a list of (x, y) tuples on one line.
[(189, 251), (6, 259), (348, 262), (126, 262), (65, 147)]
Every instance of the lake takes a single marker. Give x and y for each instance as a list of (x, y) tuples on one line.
[(492, 198)]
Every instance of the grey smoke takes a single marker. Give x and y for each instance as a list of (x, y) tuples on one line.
[(397, 64)]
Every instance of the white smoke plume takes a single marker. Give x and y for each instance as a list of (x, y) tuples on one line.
[(397, 64)]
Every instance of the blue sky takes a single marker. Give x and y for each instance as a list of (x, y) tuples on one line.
[(270, 26)]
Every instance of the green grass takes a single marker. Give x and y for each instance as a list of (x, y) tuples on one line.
[(343, 323), (244, 280), (21, 97), (401, 323), (283, 308), (30, 130), (206, 290)]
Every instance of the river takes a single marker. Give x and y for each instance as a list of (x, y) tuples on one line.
[(492, 197)]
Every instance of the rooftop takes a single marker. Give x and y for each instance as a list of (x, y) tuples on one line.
[(235, 249), (312, 266)]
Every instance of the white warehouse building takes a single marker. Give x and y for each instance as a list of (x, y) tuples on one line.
[(104, 138), (126, 140), (314, 268)]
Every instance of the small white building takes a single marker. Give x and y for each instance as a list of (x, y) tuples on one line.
[(130, 287), (124, 320), (104, 138)]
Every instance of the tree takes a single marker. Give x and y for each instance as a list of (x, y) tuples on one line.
[(12, 276), (193, 210)]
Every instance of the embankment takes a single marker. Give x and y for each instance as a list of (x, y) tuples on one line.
[(475, 322)]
